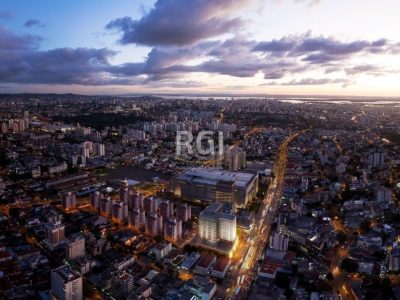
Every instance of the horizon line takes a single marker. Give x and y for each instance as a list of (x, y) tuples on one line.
[(209, 95)]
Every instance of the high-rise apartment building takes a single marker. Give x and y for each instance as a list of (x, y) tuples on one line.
[(118, 212), (55, 233), (122, 285), (173, 230), (135, 201), (234, 158), (150, 205), (75, 247), (384, 194), (279, 241), (166, 209), (376, 159), (136, 218), (99, 149), (95, 200), (66, 284), (154, 224), (217, 222), (105, 207), (124, 194), (68, 201), (394, 260), (184, 212)]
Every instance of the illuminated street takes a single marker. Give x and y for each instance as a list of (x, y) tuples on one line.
[(260, 232)]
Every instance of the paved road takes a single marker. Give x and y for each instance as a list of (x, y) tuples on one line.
[(258, 237), (340, 280)]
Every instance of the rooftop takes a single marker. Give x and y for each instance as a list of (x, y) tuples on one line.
[(213, 176), (66, 273), (218, 210), (269, 267), (162, 245), (205, 261), (221, 264)]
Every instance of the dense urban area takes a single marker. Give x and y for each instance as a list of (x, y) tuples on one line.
[(300, 201)]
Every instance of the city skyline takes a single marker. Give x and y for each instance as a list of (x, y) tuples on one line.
[(96, 202), (201, 47)]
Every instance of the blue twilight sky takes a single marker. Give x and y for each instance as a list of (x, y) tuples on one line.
[(341, 47)]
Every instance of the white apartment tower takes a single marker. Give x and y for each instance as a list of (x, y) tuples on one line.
[(68, 201), (75, 247), (99, 149), (66, 284), (279, 241), (217, 222), (184, 212), (124, 193), (234, 158), (55, 233), (173, 230), (95, 200), (122, 285)]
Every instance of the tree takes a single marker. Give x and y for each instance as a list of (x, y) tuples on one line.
[(110, 237), (282, 280), (386, 283), (349, 265), (365, 226), (189, 248), (341, 237), (379, 255), (329, 276)]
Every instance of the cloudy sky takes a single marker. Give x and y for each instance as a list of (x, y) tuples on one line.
[(308, 47)]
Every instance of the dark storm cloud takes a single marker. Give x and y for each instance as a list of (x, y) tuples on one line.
[(180, 22), (21, 62), (62, 65), (311, 81), (323, 49), (274, 74), (245, 69), (11, 42), (320, 81), (320, 58), (331, 46), (232, 57), (32, 23), (164, 62), (365, 69), (283, 45), (6, 15), (167, 57), (379, 43)]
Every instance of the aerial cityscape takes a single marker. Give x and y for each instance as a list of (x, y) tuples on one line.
[(198, 150)]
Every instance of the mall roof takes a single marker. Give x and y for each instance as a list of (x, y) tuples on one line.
[(213, 176)]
